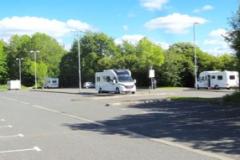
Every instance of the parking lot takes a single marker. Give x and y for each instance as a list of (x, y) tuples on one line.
[(62, 124)]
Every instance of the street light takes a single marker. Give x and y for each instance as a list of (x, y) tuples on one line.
[(35, 58), (79, 59), (195, 55), (20, 68)]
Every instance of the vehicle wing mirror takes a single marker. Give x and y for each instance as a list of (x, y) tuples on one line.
[(135, 81), (114, 81)]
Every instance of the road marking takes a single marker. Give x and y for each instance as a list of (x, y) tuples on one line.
[(67, 115), (2, 120), (23, 102), (178, 145), (6, 126), (13, 136), (37, 149), (158, 140)]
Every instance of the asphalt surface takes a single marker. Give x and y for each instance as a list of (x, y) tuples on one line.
[(67, 125)]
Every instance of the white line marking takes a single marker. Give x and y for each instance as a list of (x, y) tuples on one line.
[(37, 149), (178, 145), (174, 144), (13, 136), (6, 126), (66, 114), (23, 102), (2, 120)]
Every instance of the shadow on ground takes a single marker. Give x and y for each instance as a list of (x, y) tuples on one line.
[(199, 124)]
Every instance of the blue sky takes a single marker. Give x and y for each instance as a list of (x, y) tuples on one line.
[(163, 21)]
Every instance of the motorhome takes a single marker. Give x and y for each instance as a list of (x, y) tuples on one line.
[(115, 80), (51, 83), (218, 79)]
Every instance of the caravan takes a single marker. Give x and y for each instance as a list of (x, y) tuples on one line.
[(218, 79), (117, 81)]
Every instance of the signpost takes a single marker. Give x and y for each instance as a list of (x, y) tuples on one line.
[(151, 75)]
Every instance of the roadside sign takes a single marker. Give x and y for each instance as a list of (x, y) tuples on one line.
[(151, 73)]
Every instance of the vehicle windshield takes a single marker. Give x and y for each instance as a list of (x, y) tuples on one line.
[(125, 78)]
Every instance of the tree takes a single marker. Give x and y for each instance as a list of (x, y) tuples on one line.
[(3, 64), (50, 55), (148, 55), (97, 52)]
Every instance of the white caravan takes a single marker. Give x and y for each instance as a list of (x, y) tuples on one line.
[(117, 81), (14, 84), (51, 83), (218, 79)]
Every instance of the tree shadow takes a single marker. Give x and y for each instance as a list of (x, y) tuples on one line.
[(198, 124)]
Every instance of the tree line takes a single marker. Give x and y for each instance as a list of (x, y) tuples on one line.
[(173, 67)]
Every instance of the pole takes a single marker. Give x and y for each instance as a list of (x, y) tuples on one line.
[(20, 68), (195, 56), (79, 65), (35, 58)]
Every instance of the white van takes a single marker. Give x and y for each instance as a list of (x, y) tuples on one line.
[(218, 79), (117, 81), (51, 83)]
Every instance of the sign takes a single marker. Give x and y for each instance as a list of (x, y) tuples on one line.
[(151, 73)]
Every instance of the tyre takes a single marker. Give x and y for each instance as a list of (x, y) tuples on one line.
[(100, 90), (133, 92), (117, 91)]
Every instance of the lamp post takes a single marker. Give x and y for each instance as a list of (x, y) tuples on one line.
[(195, 55), (35, 59), (79, 59), (20, 68)]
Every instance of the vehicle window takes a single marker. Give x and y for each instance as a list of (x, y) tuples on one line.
[(98, 79), (232, 77), (108, 79), (54, 81), (213, 77), (220, 77)]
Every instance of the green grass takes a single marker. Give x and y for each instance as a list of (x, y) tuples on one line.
[(197, 99), (3, 87), (232, 99)]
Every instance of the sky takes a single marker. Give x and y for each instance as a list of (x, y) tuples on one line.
[(164, 22)]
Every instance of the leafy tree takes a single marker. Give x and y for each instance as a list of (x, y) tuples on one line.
[(50, 52), (3, 64)]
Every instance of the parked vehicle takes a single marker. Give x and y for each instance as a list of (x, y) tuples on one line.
[(51, 83), (14, 84), (118, 81), (218, 79), (88, 85)]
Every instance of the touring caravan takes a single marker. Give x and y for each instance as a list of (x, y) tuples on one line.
[(118, 81), (218, 79), (51, 83)]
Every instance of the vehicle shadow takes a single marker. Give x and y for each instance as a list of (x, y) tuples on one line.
[(198, 124)]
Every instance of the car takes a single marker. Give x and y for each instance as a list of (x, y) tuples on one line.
[(88, 85)]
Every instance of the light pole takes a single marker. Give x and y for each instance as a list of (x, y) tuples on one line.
[(79, 59), (195, 55), (79, 65), (35, 59), (20, 68)]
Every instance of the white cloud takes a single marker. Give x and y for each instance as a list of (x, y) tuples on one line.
[(204, 8), (153, 4), (215, 42), (133, 39), (174, 23), (30, 25), (164, 45)]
